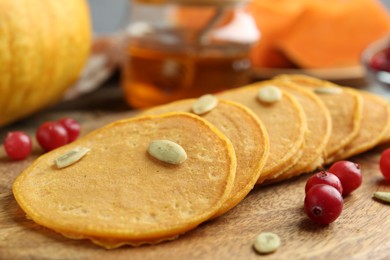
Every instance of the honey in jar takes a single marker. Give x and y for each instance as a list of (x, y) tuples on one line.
[(177, 50)]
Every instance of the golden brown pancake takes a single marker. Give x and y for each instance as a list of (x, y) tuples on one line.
[(318, 128), (285, 122), (247, 134), (386, 135), (118, 192), (306, 81), (375, 124), (345, 109)]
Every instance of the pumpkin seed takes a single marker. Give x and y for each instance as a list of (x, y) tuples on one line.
[(167, 151), (328, 90), (204, 104), (382, 196), (71, 157), (266, 242), (269, 94)]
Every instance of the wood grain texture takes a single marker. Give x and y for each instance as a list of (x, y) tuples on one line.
[(361, 232)]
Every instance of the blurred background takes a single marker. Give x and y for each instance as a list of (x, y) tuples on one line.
[(110, 19), (110, 16)]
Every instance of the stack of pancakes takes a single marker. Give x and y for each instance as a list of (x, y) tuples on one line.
[(118, 194)]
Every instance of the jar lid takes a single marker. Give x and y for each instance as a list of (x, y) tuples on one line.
[(194, 2)]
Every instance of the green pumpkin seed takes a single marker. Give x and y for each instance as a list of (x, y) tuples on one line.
[(204, 104), (382, 196), (71, 157), (328, 90), (267, 242), (167, 151), (269, 94)]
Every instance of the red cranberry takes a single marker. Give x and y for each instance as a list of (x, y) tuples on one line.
[(379, 61), (349, 174), (323, 204), (51, 135), (72, 127), (17, 145), (384, 163), (324, 177)]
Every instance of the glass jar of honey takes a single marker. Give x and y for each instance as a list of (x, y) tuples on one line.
[(179, 49)]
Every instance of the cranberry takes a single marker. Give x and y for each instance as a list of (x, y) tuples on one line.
[(71, 126), (384, 163), (17, 145), (51, 135), (379, 61), (323, 204), (324, 177), (349, 174)]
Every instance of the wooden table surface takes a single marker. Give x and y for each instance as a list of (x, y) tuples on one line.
[(361, 232)]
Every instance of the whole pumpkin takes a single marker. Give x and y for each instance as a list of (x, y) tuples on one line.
[(44, 45)]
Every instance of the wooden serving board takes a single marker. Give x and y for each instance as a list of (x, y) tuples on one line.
[(361, 232)]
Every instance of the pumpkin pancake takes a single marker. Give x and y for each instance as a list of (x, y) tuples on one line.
[(285, 122), (375, 124), (306, 81), (386, 135), (318, 128), (118, 191), (345, 109), (247, 134)]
